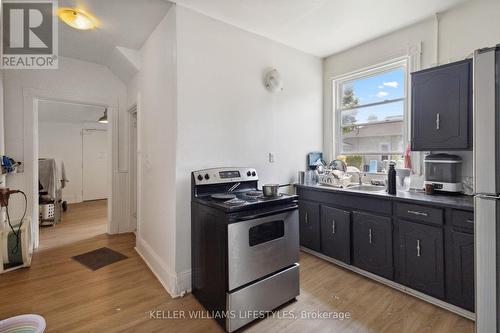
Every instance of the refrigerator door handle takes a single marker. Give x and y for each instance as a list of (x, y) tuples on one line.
[(488, 197)]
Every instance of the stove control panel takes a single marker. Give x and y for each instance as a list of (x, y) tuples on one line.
[(224, 175)]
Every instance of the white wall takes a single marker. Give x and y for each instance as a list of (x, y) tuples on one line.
[(226, 117), (2, 127), (203, 104), (64, 140), (157, 130), (470, 26), (84, 81)]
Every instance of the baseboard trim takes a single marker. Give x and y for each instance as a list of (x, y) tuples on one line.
[(183, 282), (442, 304), (176, 285)]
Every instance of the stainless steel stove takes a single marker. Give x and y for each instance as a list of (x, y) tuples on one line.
[(245, 247), (232, 190)]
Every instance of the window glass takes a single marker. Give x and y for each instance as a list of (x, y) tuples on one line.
[(385, 86), (371, 111)]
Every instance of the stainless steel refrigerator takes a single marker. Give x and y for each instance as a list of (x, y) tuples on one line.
[(487, 187)]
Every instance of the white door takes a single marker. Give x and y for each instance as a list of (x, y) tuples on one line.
[(95, 164)]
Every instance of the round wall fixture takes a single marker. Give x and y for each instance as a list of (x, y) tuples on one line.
[(273, 81)]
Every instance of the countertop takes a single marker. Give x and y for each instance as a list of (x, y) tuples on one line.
[(458, 201)]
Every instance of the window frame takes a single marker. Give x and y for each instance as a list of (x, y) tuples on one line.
[(401, 62)]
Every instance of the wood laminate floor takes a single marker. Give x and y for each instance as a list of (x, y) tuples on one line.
[(118, 298), (81, 221)]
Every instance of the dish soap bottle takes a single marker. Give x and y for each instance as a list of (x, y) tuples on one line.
[(391, 179)]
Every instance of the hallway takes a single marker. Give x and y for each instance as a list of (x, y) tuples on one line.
[(81, 221)]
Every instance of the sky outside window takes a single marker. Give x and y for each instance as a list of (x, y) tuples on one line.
[(375, 89)]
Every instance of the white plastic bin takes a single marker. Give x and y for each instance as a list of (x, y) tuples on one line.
[(47, 211)]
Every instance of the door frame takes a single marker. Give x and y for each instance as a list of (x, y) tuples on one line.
[(31, 97), (133, 112)]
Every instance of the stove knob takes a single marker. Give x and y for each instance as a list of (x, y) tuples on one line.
[(249, 173), (207, 177), (254, 174), (200, 177)]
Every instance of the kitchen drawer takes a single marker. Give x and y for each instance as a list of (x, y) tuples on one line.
[(248, 303), (421, 213), (462, 219), (346, 199)]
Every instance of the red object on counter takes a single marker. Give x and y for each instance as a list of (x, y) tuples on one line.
[(407, 158)]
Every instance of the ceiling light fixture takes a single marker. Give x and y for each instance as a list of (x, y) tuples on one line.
[(77, 18), (104, 118)]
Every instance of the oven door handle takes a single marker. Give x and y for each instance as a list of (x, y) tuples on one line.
[(272, 212)]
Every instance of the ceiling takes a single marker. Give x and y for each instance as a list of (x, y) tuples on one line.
[(51, 111), (320, 27), (123, 23)]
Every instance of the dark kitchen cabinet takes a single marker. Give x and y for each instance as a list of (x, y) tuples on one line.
[(336, 233), (372, 243), (460, 283), (442, 107), (421, 257), (425, 246), (309, 225)]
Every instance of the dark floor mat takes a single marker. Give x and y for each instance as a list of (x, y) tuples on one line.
[(99, 258)]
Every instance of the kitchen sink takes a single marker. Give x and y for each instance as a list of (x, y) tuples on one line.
[(367, 188)]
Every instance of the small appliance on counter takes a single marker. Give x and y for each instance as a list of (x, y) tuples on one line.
[(443, 172)]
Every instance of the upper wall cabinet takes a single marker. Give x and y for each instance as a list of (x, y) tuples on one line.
[(442, 107)]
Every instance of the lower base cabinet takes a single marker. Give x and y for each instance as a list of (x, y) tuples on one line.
[(309, 228), (421, 258), (424, 247), (460, 284), (372, 244), (336, 233)]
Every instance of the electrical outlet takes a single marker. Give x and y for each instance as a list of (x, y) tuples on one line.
[(272, 157)]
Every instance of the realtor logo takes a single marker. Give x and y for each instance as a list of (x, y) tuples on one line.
[(29, 35)]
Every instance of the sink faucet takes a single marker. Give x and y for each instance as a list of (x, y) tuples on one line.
[(360, 178), (351, 169)]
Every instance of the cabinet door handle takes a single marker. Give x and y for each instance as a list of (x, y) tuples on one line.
[(333, 227), (470, 221), (438, 121), (417, 213), (307, 219), (370, 235), (418, 248)]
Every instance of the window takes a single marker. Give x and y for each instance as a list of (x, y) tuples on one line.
[(370, 109)]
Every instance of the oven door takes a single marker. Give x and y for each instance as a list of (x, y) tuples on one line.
[(261, 246)]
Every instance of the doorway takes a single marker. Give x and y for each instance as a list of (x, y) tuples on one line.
[(72, 172)]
